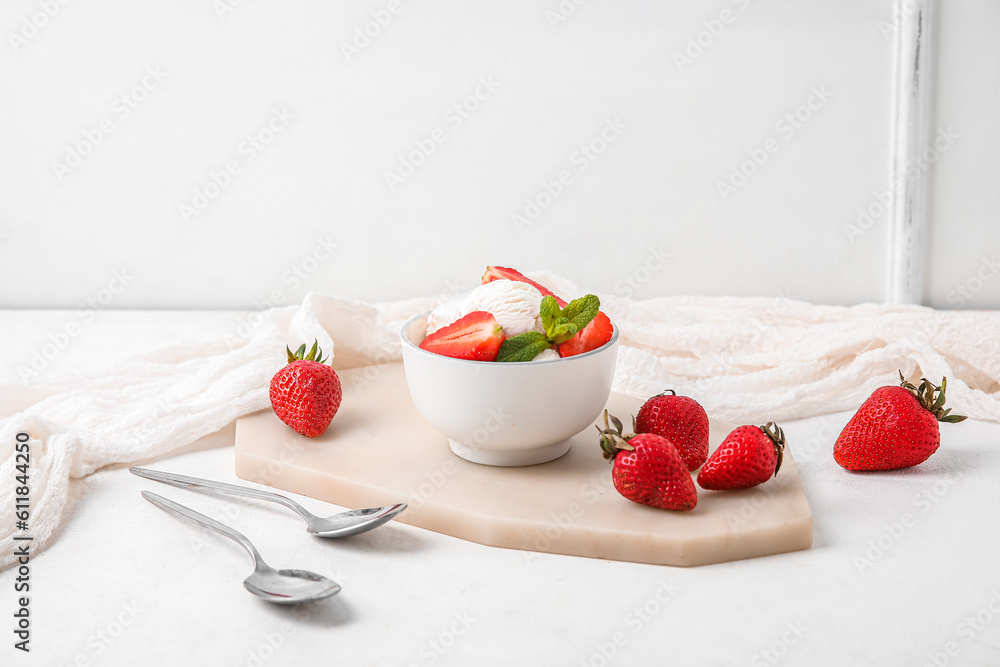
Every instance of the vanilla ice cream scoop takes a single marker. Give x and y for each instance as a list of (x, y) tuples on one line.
[(515, 306), (547, 355)]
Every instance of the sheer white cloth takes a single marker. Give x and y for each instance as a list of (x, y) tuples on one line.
[(746, 360)]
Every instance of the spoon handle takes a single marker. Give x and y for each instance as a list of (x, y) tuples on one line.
[(184, 481), (237, 537)]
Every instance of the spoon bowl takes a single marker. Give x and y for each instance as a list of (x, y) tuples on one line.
[(352, 522), (290, 586)]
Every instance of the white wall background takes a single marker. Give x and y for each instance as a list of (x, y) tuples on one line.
[(963, 258), (787, 230)]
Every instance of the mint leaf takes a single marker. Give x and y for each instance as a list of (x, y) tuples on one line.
[(523, 347), (561, 324), (562, 331), (557, 326), (581, 311), (549, 311)]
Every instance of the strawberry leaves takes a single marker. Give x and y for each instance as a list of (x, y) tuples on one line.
[(560, 325), (315, 353), (932, 398)]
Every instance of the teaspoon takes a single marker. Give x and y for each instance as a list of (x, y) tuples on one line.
[(278, 586), (343, 524)]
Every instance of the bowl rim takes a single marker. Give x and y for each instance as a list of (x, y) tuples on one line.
[(404, 340)]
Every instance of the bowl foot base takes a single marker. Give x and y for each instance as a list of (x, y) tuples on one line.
[(510, 457)]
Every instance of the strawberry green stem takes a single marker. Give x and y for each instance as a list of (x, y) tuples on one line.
[(314, 354), (612, 440), (777, 436), (932, 398)]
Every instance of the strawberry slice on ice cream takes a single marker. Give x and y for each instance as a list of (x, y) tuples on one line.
[(593, 336), (476, 336)]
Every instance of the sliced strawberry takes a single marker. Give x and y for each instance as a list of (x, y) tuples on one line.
[(477, 336), (593, 336), (503, 273)]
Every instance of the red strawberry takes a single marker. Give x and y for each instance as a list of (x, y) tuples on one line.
[(306, 393), (647, 469), (897, 427), (679, 419), (503, 273), (748, 456), (593, 336), (477, 336)]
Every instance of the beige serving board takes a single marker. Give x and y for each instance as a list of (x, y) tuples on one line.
[(378, 450)]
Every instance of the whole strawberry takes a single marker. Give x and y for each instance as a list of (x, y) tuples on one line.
[(306, 393), (749, 456), (679, 419), (647, 468), (897, 427)]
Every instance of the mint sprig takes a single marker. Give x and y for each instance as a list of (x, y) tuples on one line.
[(523, 347), (560, 325)]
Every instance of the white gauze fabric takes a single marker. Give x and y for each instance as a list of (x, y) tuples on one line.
[(745, 360)]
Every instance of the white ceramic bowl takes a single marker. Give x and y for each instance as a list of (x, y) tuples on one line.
[(507, 414)]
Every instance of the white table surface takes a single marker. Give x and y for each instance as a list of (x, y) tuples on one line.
[(126, 584)]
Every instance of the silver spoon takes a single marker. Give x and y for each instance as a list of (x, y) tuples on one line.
[(344, 524), (278, 586)]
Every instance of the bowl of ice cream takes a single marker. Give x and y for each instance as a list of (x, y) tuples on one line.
[(505, 413)]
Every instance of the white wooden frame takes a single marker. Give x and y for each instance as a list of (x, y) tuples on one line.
[(911, 112)]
